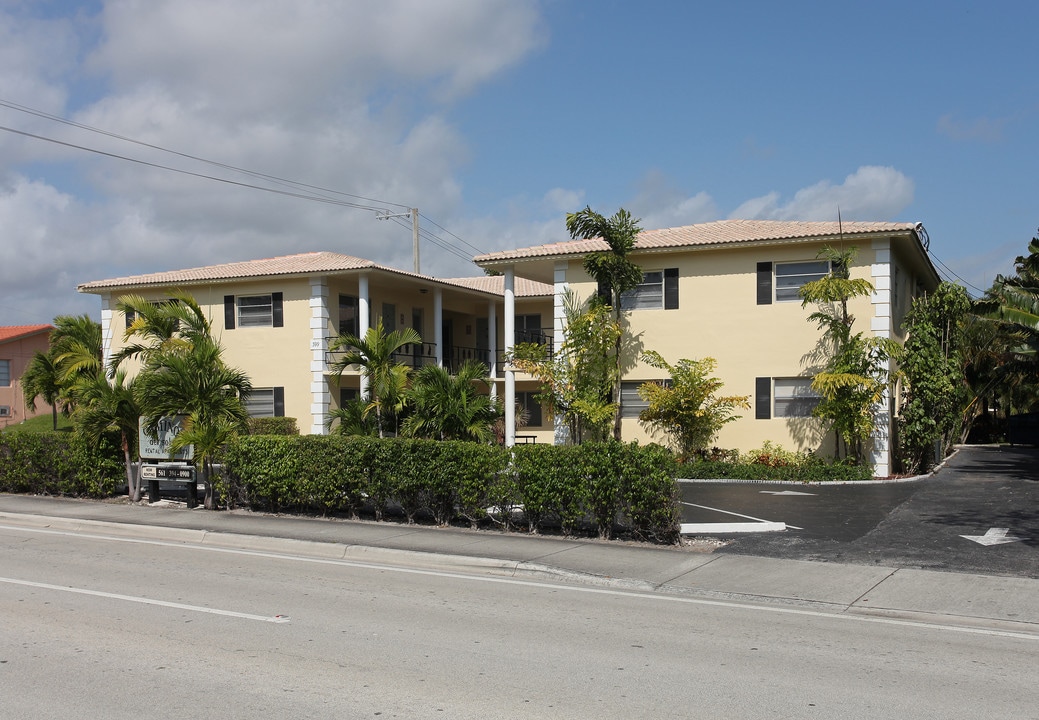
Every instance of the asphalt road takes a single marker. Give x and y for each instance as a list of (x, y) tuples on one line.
[(122, 627), (901, 524)]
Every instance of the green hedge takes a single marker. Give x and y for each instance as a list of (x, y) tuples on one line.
[(601, 486), (808, 472), (59, 464)]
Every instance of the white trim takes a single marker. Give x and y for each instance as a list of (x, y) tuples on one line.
[(510, 343), (319, 318), (881, 326)]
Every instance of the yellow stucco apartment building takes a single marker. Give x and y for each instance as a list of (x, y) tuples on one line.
[(726, 289)]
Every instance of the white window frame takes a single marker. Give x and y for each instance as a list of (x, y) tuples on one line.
[(647, 295), (5, 411), (793, 397), (5, 373), (799, 272), (254, 316)]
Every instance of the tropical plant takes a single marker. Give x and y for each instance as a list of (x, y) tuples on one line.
[(577, 381), (194, 381), (352, 419), (613, 271), (109, 406), (176, 323), (76, 347), (41, 379), (385, 378), (451, 407), (936, 394), (854, 377), (687, 408)]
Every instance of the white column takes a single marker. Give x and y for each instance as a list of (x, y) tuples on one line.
[(510, 342), (438, 324), (320, 397), (880, 324), (106, 329), (492, 343), (364, 319), (561, 434)]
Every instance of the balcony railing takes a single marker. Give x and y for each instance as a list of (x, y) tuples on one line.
[(419, 355)]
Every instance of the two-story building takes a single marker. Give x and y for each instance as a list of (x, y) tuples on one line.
[(729, 290), (726, 290), (276, 319)]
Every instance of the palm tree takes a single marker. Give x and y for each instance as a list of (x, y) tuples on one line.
[(176, 323), (41, 379), (354, 419), (451, 407), (384, 376), (105, 407), (195, 381), (75, 353), (612, 270)]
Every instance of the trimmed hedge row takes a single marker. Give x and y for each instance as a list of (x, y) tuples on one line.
[(604, 486), (59, 464), (807, 472)]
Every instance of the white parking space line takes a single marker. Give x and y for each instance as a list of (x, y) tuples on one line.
[(146, 601), (748, 517)]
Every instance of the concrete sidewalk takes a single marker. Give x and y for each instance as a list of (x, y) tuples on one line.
[(969, 600)]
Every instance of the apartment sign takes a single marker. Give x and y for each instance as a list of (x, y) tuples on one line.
[(157, 447)]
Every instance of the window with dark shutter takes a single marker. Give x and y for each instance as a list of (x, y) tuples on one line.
[(764, 283), (279, 402), (229, 312), (763, 398)]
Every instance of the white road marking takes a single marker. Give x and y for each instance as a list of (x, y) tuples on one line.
[(727, 512), (644, 595), (994, 536), (784, 492), (146, 601)]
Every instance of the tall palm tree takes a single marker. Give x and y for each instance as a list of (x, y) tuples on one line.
[(75, 352), (110, 406), (41, 379), (195, 382), (452, 407), (374, 355), (613, 270)]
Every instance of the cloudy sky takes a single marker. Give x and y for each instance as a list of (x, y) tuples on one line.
[(137, 134)]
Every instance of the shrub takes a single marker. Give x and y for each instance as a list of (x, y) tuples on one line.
[(272, 426), (59, 464)]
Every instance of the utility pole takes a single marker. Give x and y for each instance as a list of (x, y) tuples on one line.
[(413, 214)]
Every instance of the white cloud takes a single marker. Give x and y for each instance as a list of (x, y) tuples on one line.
[(982, 129), (660, 203), (870, 193)]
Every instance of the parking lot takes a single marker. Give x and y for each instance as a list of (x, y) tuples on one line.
[(979, 513)]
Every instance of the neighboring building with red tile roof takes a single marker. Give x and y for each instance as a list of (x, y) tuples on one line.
[(18, 344)]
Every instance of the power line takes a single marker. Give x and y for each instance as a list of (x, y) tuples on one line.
[(311, 194), (950, 272)]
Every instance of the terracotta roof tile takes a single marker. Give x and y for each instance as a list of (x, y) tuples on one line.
[(496, 284), (721, 232), (12, 332)]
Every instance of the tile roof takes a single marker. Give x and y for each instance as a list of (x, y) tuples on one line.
[(12, 332), (496, 284), (721, 232), (301, 264)]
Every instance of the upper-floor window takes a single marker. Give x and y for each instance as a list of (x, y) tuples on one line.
[(657, 291), (253, 311), (782, 282), (5, 373)]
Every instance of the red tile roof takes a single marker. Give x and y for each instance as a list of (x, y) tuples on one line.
[(13, 332)]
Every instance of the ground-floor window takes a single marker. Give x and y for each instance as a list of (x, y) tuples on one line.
[(266, 402)]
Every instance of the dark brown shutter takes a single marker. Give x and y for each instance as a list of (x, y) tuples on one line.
[(764, 283), (279, 402), (277, 314), (762, 398), (229, 313), (671, 289)]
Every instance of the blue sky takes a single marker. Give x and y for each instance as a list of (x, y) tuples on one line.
[(495, 118)]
